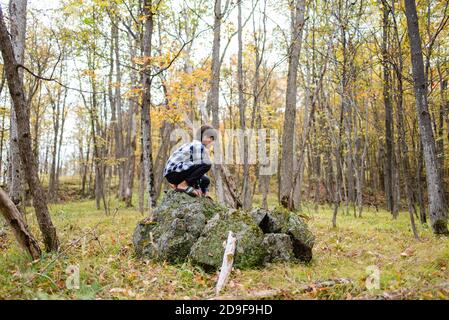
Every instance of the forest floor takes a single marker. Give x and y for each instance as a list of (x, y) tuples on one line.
[(100, 247)]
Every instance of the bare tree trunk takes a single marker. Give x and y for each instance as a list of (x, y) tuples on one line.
[(2, 137), (442, 113), (360, 175), (246, 189), (286, 182), (26, 152), (17, 13), (403, 157), (14, 218), (146, 112), (256, 120), (389, 161), (224, 183), (131, 150), (97, 153), (437, 204), (58, 117), (163, 153), (141, 187), (336, 175), (347, 122), (213, 100), (116, 106), (113, 105), (61, 135), (85, 166), (37, 122), (303, 147), (131, 135), (419, 183), (52, 182)]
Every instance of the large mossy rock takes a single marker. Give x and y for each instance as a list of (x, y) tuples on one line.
[(282, 221), (197, 228), (178, 222), (208, 251)]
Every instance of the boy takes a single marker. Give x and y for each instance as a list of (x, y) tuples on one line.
[(186, 168)]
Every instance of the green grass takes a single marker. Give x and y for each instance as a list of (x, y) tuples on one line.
[(101, 247)]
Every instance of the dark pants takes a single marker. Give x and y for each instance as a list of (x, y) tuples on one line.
[(194, 176)]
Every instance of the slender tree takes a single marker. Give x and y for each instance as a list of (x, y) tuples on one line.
[(437, 204), (389, 161), (147, 153), (246, 189), (286, 179), (17, 13), (212, 104), (24, 139)]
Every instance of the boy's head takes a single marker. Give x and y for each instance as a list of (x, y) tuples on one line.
[(206, 134)]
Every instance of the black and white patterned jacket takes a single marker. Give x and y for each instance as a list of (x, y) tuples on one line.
[(186, 156)]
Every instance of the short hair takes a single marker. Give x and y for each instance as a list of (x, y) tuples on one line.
[(206, 130)]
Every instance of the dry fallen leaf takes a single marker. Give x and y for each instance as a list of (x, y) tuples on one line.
[(407, 253)]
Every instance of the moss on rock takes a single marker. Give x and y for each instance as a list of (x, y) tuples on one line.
[(279, 248), (179, 221), (283, 221), (208, 250), (198, 228), (303, 240)]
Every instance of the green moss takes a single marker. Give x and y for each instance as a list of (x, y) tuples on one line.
[(208, 251), (285, 221), (211, 208), (179, 220)]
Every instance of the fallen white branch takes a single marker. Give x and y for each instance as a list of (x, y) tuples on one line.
[(228, 260)]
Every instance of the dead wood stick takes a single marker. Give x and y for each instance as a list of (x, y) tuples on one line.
[(228, 260), (14, 218)]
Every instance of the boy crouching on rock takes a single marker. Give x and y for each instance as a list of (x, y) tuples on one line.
[(186, 168)]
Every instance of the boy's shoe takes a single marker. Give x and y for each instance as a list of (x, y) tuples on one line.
[(190, 191)]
